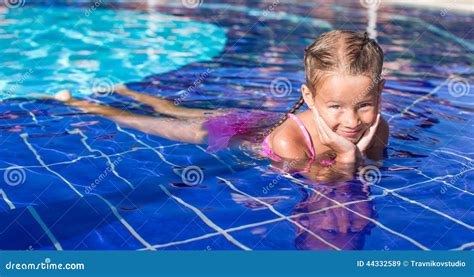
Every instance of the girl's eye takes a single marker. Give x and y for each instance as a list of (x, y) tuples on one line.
[(334, 107), (363, 105)]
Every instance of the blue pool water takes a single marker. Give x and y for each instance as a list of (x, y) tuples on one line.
[(72, 180), (81, 49)]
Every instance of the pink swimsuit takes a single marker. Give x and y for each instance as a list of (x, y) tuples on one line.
[(222, 128), (267, 151)]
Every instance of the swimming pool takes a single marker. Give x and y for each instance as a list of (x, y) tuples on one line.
[(78, 181)]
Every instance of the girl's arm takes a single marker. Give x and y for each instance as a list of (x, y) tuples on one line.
[(346, 151)]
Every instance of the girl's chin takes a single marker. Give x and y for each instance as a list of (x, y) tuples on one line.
[(352, 139)]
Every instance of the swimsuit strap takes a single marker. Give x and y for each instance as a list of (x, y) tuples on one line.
[(305, 133), (268, 151)]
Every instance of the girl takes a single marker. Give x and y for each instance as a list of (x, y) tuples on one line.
[(342, 91)]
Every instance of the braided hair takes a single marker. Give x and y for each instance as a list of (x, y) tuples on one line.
[(342, 51), (293, 109)]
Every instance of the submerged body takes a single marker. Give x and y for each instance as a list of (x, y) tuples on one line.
[(294, 139)]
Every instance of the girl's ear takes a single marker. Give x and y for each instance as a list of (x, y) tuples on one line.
[(379, 94), (307, 96), (381, 86)]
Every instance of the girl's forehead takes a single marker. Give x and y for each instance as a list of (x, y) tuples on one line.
[(345, 87)]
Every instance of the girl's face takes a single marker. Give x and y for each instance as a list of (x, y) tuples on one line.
[(348, 104)]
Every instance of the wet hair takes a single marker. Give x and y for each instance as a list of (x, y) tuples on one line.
[(338, 51)]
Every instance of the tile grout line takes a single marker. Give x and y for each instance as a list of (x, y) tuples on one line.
[(419, 99), (93, 156), (365, 217), (435, 179), (24, 136), (217, 158), (206, 219), (45, 228), (464, 246), (9, 203), (124, 222), (272, 209), (470, 227), (146, 145), (103, 155), (262, 223)]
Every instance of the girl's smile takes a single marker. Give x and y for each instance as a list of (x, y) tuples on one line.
[(351, 134)]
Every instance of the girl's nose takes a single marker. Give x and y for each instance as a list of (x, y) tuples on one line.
[(351, 120)]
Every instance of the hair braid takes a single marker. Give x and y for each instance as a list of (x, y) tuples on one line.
[(293, 109), (363, 42)]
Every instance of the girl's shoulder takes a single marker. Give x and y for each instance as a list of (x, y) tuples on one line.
[(287, 141)]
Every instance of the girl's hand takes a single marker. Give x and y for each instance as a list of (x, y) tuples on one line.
[(366, 139), (345, 149)]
